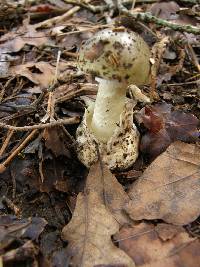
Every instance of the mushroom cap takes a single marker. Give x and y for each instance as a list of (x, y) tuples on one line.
[(116, 55)]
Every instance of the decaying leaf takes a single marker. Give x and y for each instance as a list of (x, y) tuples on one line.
[(143, 244), (12, 229), (164, 127), (27, 34), (35, 228), (56, 141), (165, 10), (89, 234), (15, 40), (92, 225), (27, 251), (169, 188), (41, 73), (105, 184)]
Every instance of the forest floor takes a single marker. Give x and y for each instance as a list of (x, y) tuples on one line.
[(54, 212)]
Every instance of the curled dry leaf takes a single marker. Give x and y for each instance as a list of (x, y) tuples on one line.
[(93, 223), (41, 73), (143, 244), (164, 127), (169, 188)]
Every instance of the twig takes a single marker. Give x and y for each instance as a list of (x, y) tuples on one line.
[(133, 4), (126, 2), (90, 89), (92, 8), (4, 165), (147, 17), (51, 100), (40, 126), (195, 2), (11, 205), (194, 57), (180, 84), (144, 17), (157, 52), (6, 142), (55, 20)]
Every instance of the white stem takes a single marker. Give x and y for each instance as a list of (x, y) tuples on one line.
[(109, 105)]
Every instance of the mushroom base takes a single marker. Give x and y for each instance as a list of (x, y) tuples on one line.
[(120, 151)]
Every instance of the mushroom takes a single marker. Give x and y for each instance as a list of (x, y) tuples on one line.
[(117, 59)]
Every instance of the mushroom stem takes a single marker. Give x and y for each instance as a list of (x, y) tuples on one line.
[(109, 105)]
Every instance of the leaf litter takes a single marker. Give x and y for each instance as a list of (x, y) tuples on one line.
[(44, 180), (169, 188), (97, 216), (145, 244)]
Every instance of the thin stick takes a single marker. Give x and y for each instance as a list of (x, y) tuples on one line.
[(6, 142), (4, 165), (143, 16), (58, 19), (194, 57), (40, 126), (89, 7), (147, 17), (51, 100), (133, 4), (11, 205)]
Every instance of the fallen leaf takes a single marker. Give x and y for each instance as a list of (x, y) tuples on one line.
[(35, 228), (164, 127), (165, 10), (169, 188), (168, 231), (25, 174), (143, 244), (42, 8), (27, 251), (12, 229), (26, 34), (89, 234), (56, 141), (92, 225), (41, 73), (52, 170), (50, 242), (60, 258)]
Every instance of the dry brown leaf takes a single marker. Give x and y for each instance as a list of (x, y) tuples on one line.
[(165, 10), (169, 188), (165, 126), (105, 184), (92, 225), (56, 141), (143, 244), (41, 73), (27, 34)]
